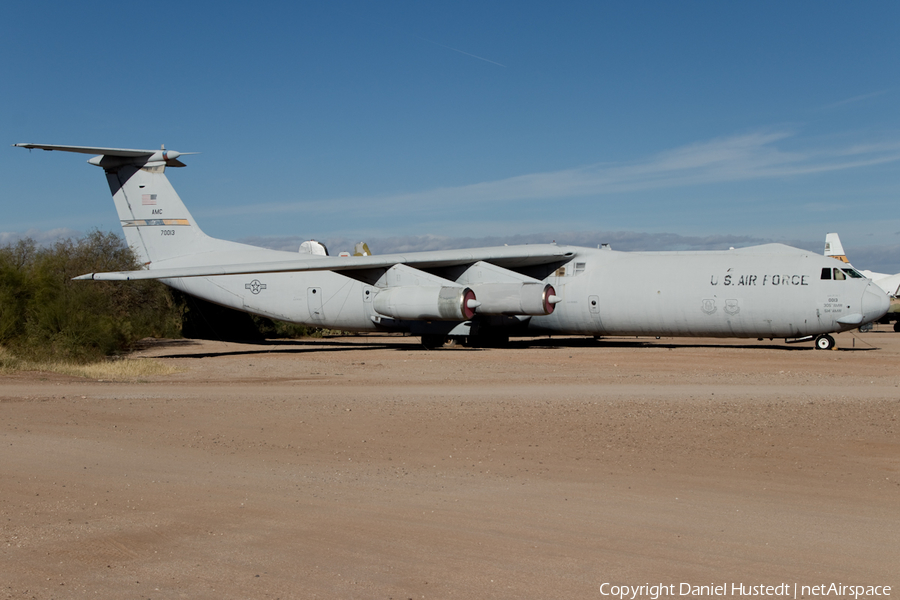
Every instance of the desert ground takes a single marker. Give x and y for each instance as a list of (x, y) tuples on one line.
[(368, 467)]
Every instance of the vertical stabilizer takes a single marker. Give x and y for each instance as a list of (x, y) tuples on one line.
[(833, 247), (156, 223)]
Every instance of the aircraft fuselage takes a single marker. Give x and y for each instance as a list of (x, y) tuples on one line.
[(766, 291)]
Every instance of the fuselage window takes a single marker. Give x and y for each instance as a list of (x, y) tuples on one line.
[(826, 273), (839, 275), (853, 273)]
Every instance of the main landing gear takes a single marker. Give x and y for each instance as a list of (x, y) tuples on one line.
[(824, 342), (432, 341), (489, 340)]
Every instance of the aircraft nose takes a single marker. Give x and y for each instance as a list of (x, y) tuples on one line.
[(875, 303)]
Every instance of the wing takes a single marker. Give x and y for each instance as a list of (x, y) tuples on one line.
[(509, 257)]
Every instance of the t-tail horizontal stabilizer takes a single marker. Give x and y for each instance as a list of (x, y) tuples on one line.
[(113, 157)]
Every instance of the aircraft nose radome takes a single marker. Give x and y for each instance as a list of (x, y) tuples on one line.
[(875, 303)]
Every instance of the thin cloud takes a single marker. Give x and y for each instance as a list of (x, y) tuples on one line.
[(739, 158), (754, 156), (881, 258), (40, 237)]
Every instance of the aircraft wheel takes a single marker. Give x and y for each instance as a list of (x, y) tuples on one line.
[(433, 341), (824, 342), (897, 326)]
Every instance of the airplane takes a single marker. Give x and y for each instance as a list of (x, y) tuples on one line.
[(889, 283), (482, 296)]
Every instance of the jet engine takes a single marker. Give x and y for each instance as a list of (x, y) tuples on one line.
[(439, 303), (515, 298)]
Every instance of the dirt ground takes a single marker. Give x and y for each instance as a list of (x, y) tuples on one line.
[(368, 467)]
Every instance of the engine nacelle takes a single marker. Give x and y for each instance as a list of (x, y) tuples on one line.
[(515, 298), (438, 303)]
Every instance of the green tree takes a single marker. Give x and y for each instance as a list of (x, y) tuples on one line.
[(44, 314)]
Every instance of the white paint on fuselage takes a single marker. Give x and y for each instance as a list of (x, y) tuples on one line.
[(769, 291)]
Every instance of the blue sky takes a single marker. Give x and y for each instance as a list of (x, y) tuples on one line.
[(668, 124)]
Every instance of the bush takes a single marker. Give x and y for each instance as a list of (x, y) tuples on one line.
[(45, 315)]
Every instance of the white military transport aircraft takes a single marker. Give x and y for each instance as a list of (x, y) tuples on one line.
[(482, 296)]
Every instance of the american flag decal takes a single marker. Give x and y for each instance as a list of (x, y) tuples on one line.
[(148, 199)]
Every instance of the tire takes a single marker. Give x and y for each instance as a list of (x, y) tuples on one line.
[(824, 342), (897, 326)]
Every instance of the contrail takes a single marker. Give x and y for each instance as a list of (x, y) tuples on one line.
[(852, 100), (461, 52)]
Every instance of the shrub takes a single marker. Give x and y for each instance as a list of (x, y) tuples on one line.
[(45, 315)]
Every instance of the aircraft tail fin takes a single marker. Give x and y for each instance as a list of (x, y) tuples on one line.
[(834, 248), (156, 223)]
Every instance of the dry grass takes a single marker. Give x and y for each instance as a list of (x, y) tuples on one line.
[(115, 370)]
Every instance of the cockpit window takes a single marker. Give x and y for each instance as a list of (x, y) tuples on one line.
[(840, 274)]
